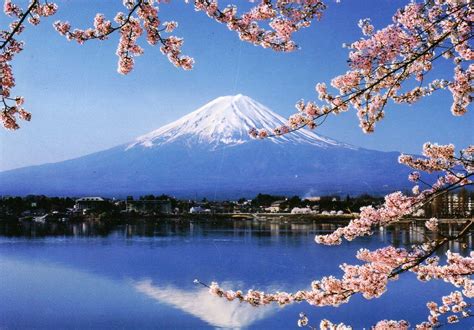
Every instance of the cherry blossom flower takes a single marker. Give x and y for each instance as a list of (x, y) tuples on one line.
[(453, 308), (432, 224)]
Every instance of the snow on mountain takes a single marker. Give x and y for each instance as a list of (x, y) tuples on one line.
[(225, 121)]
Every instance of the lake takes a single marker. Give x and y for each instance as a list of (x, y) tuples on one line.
[(141, 276)]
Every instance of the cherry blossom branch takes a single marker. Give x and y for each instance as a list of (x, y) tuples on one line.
[(12, 107), (309, 113), (397, 205), (453, 302), (328, 325), (131, 27), (284, 18), (369, 279), (382, 265), (404, 267), (18, 25), (408, 46)]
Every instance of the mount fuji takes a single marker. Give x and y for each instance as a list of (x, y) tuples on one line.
[(208, 153)]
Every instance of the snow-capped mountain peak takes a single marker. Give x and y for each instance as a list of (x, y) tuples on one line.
[(225, 121), (208, 153)]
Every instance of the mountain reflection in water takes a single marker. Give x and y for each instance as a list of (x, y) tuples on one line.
[(212, 310), (141, 276)]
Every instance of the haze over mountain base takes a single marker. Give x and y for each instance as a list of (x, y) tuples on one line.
[(208, 153)]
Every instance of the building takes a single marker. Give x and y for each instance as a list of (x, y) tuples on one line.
[(149, 206), (275, 207), (459, 204), (312, 199), (302, 210), (198, 210), (89, 203)]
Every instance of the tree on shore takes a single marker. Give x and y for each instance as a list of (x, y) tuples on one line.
[(394, 64)]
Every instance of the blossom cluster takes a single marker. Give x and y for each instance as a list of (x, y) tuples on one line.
[(323, 325), (438, 158), (397, 205), (456, 271), (12, 108), (284, 17), (142, 17), (432, 224), (328, 325), (370, 279), (392, 64), (453, 307), (391, 324)]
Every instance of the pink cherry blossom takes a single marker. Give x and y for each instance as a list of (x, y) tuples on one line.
[(392, 64), (453, 309), (284, 17), (370, 279), (9, 48), (432, 224)]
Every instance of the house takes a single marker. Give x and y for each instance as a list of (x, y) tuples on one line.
[(275, 206), (149, 206), (89, 203)]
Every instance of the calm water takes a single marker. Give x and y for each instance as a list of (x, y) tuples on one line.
[(141, 276)]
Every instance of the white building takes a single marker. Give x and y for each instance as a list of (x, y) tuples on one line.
[(302, 210), (198, 210), (89, 203)]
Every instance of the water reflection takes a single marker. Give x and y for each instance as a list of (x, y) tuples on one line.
[(91, 276), (399, 235), (199, 303)]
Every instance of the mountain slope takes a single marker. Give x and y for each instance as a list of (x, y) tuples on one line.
[(209, 153)]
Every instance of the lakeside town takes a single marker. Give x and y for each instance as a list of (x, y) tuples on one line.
[(44, 209)]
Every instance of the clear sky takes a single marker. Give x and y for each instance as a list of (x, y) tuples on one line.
[(80, 104)]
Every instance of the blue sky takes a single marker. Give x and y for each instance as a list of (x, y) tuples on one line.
[(80, 104)]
